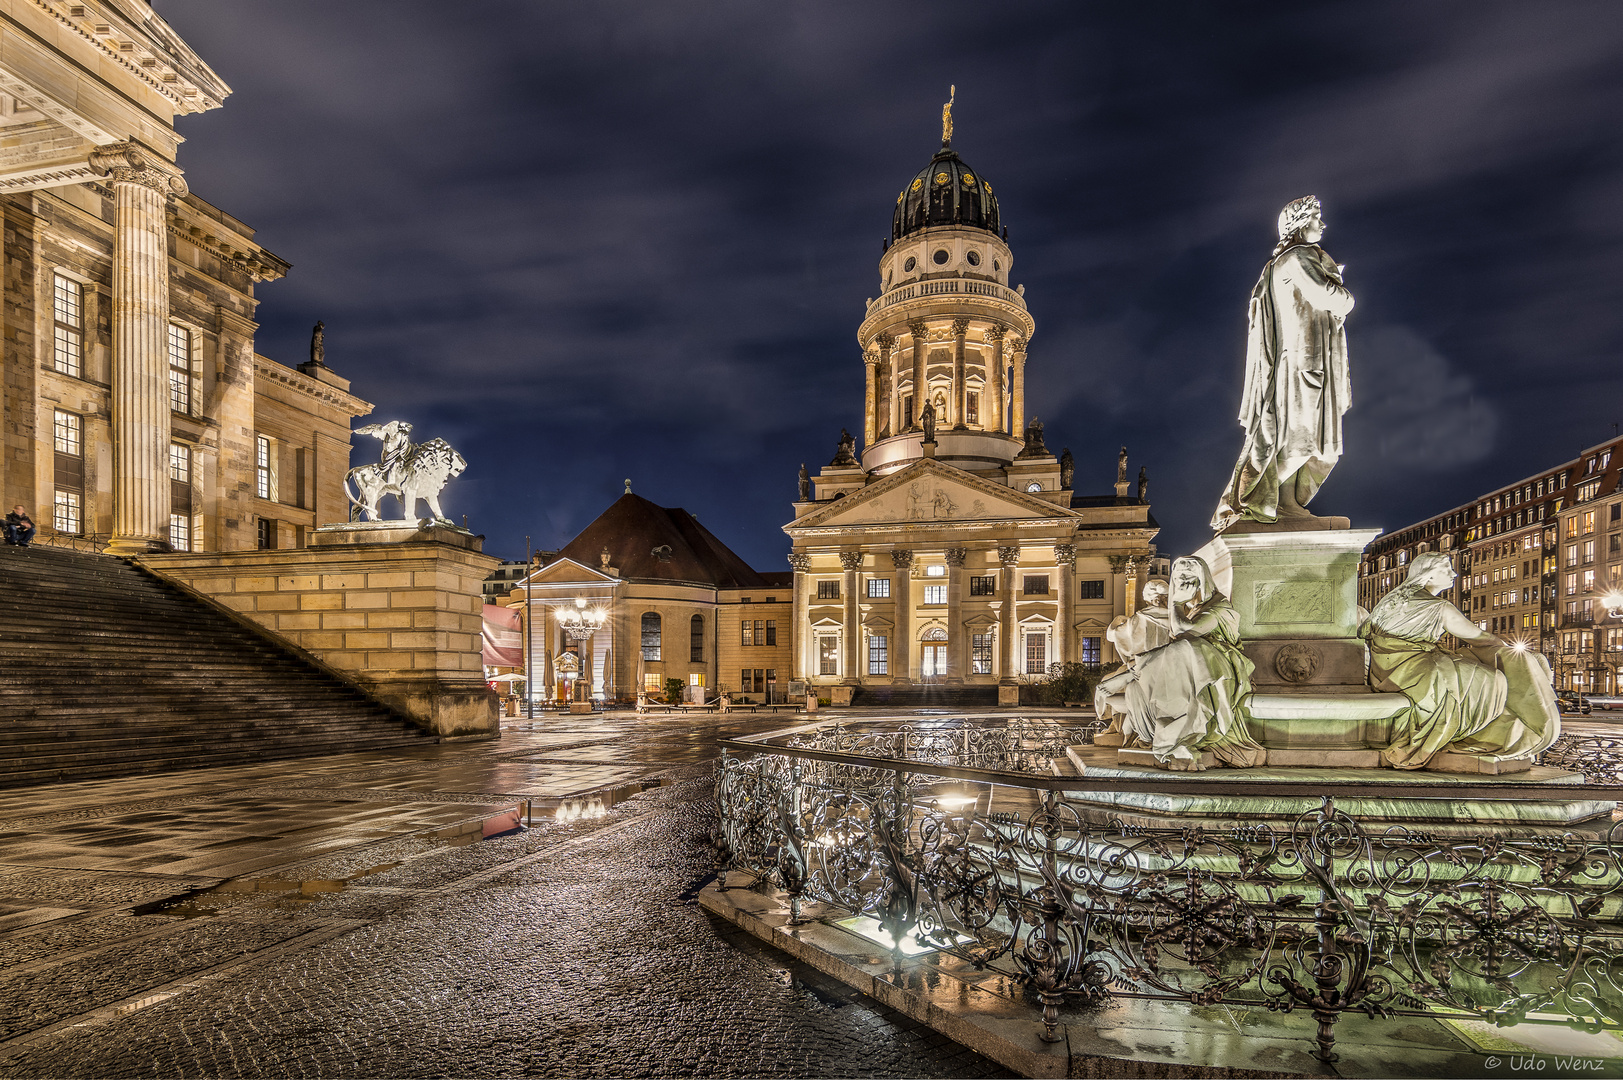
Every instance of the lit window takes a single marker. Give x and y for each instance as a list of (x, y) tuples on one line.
[(180, 532), (1091, 653), (747, 638), (264, 469), (67, 433), (67, 353), (1036, 654), (980, 654), (180, 463), (935, 571), (972, 408), (878, 588), (828, 655), (180, 369), (878, 654), (935, 594), (65, 516)]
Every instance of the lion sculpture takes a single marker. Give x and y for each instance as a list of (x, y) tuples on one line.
[(409, 471)]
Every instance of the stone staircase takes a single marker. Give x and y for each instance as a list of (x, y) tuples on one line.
[(106, 670)]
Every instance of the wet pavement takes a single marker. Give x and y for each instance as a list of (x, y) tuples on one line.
[(380, 915)]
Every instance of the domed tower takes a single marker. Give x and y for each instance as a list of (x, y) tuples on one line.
[(945, 328)]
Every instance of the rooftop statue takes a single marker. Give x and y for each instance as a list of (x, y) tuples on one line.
[(847, 453), (408, 471), (927, 421), (1185, 697), (1067, 469), (805, 483), (318, 343), (1296, 381), (1488, 699)]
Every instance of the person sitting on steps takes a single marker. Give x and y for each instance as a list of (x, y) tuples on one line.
[(19, 528)]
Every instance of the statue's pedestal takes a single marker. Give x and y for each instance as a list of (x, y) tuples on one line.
[(394, 605)]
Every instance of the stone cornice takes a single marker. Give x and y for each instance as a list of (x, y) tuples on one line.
[(331, 395), (252, 260), (152, 53)]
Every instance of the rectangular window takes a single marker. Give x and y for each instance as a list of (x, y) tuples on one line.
[(1589, 521), (1614, 545), (972, 408), (180, 463), (1572, 554), (772, 631), (828, 590), (746, 679), (747, 639), (180, 369), (1572, 584), (980, 654), (878, 654), (65, 516), (935, 594), (180, 532), (907, 411), (264, 468), (1617, 512), (1035, 584), (878, 588), (828, 655), (759, 633), (1036, 654), (1589, 580), (267, 534), (983, 586), (1091, 652), (1090, 590), (68, 433), (651, 626), (67, 307)]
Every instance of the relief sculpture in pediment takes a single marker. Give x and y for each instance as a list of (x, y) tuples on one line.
[(925, 503)]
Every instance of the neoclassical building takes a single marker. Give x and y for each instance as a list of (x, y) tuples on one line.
[(136, 409), (954, 550)]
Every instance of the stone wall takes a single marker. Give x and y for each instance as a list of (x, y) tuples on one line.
[(395, 607)]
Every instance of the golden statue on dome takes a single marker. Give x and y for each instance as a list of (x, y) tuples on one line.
[(946, 116)]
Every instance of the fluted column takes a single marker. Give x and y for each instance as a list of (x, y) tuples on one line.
[(870, 411), (1065, 622), (140, 401), (886, 406), (852, 562), (1017, 404), (901, 657), (1135, 563), (801, 631), (957, 640), (1010, 558), (960, 327), (921, 341), (995, 417)]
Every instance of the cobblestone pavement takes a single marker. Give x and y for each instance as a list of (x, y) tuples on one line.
[(574, 948)]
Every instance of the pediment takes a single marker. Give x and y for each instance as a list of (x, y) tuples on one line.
[(569, 572), (877, 622), (929, 492), (980, 620), (1089, 624)]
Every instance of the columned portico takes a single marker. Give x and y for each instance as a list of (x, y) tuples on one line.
[(141, 185)]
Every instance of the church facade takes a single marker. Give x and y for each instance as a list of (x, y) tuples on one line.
[(137, 413), (954, 550)]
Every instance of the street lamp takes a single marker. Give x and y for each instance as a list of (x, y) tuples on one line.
[(579, 623)]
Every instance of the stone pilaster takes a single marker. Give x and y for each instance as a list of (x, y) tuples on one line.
[(141, 184), (1065, 623), (960, 327), (957, 640), (1010, 558), (901, 659), (800, 564), (851, 561)]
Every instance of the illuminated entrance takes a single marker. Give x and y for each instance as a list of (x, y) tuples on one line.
[(933, 662)]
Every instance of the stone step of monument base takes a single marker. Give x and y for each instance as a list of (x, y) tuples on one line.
[(1425, 802), (1469, 764)]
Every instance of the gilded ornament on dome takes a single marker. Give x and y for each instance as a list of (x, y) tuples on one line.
[(900, 195), (917, 183), (969, 179), (987, 186), (942, 178)]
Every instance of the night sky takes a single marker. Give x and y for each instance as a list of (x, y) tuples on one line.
[(590, 241)]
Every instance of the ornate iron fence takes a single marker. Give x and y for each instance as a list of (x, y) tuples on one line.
[(1324, 914)]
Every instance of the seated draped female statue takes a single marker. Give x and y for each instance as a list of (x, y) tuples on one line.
[(1487, 698), (1187, 696), (1133, 636)]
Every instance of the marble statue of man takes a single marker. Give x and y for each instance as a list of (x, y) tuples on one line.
[(1296, 381)]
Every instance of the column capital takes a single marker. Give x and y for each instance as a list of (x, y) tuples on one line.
[(131, 163), (960, 327), (994, 333), (884, 341), (851, 560), (956, 556), (919, 330), (870, 357), (800, 563), (1118, 563), (1009, 556), (1017, 345), (902, 559), (1066, 554)]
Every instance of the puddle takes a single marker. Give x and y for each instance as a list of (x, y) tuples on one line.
[(595, 804)]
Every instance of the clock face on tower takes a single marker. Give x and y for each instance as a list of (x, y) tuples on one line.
[(1034, 486)]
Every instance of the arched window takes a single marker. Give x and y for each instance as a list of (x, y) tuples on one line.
[(696, 639), (650, 635), (936, 634)]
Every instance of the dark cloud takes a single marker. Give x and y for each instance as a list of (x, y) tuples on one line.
[(591, 241)]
